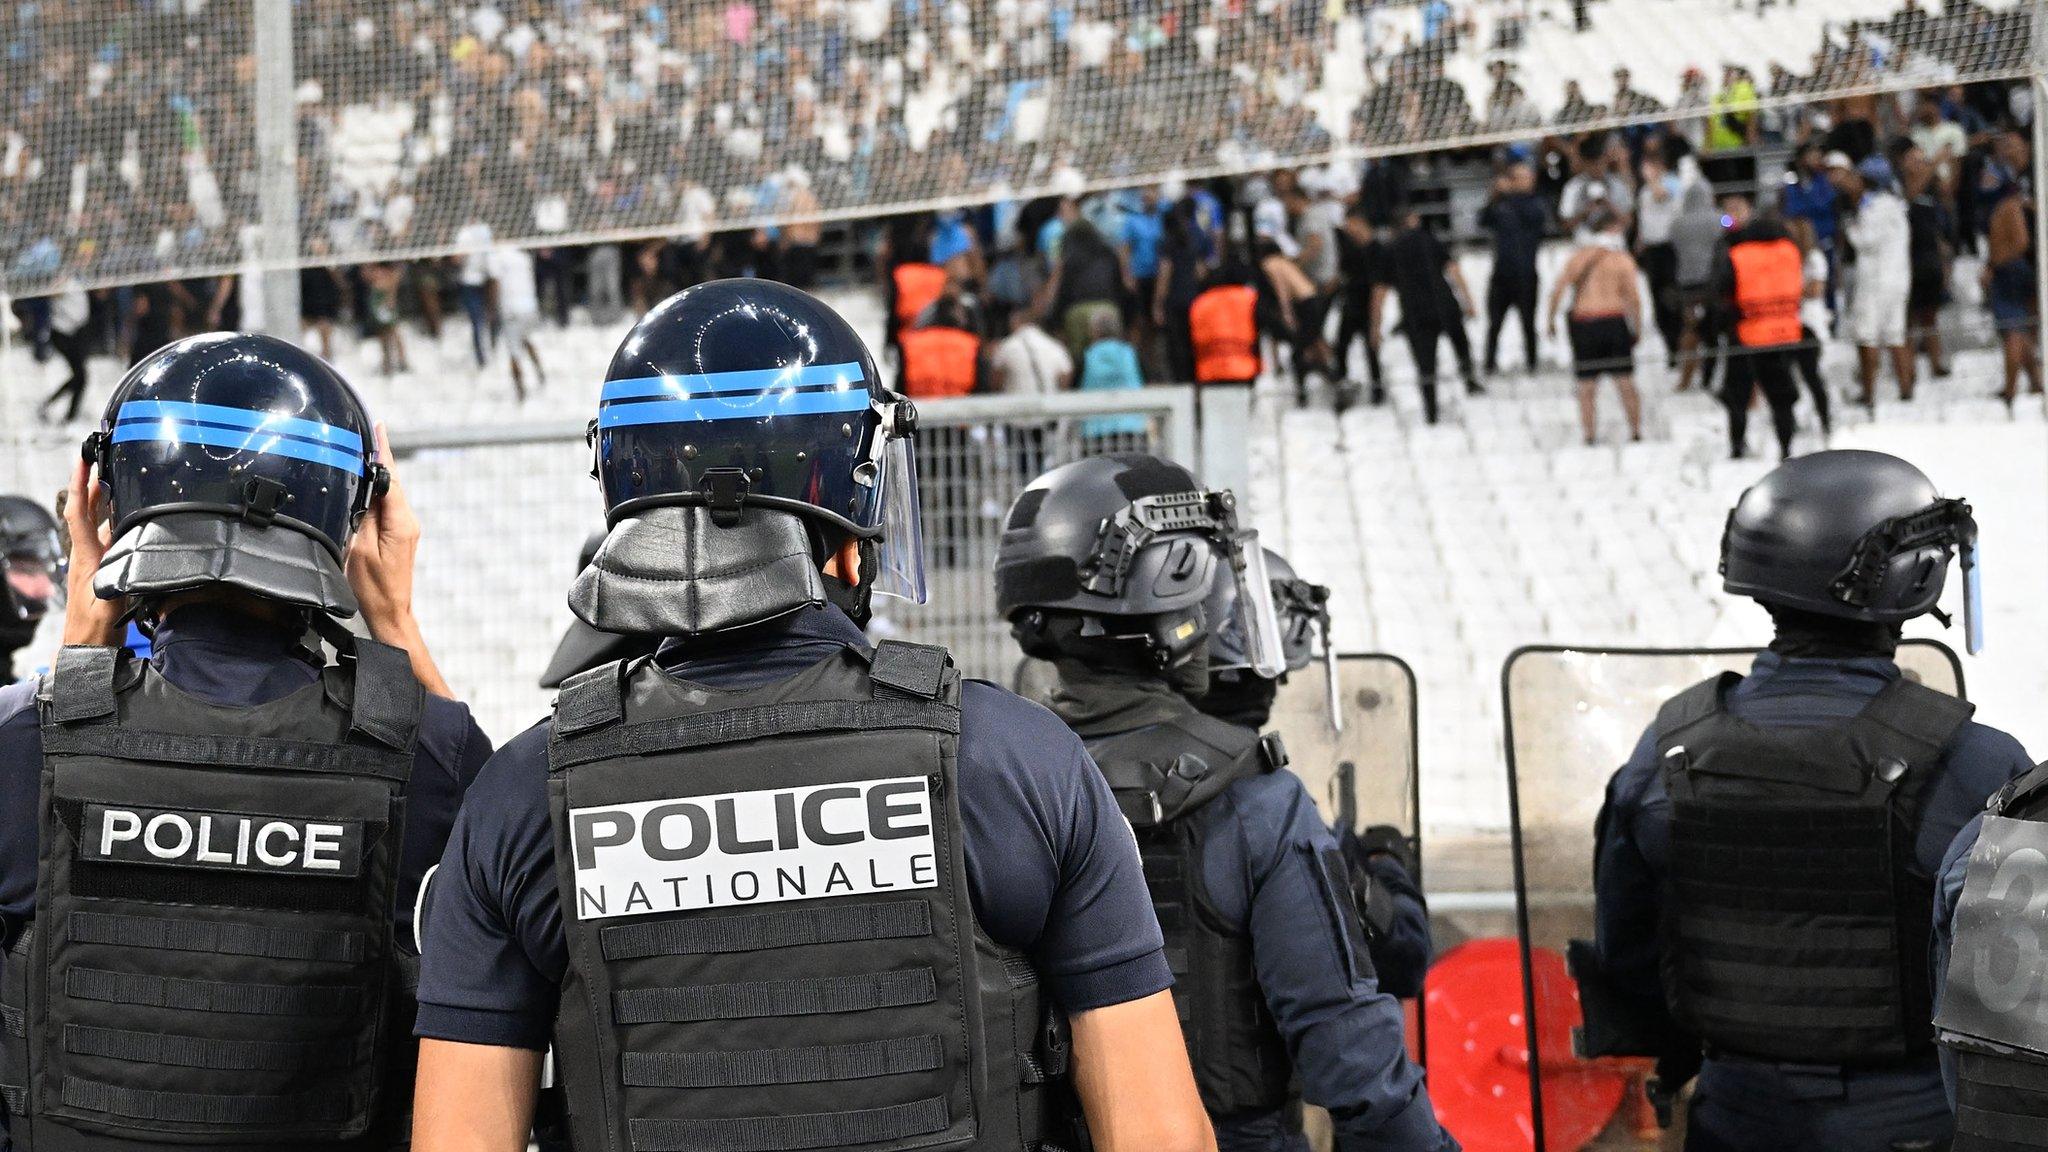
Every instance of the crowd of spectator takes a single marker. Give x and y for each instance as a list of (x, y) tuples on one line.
[(129, 140)]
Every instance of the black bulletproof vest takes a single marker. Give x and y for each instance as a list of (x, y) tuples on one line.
[(212, 958), (771, 944), (1994, 1007), (1796, 922), (1163, 775)]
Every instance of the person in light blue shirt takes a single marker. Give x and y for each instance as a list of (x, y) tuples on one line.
[(1111, 364)]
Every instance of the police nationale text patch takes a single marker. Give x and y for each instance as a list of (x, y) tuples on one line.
[(223, 841), (753, 847)]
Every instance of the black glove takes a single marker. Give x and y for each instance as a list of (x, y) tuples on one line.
[(1387, 840)]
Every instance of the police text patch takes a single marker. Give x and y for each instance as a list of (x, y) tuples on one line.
[(224, 841), (753, 847)]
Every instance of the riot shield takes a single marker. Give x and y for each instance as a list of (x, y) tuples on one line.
[(1572, 717), (1363, 773)]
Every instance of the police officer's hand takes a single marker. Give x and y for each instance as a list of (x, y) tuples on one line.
[(380, 570), (87, 618)]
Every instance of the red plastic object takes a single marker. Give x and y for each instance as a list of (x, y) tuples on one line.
[(1479, 1052)]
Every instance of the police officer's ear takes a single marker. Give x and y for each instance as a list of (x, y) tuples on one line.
[(844, 563)]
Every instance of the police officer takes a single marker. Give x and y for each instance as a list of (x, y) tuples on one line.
[(1382, 858), (1766, 859), (1991, 986), (773, 887), (1103, 569), (34, 575), (209, 859)]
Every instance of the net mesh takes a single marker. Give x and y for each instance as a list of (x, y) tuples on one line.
[(128, 150)]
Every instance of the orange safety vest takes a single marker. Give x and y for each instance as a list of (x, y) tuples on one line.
[(1769, 281), (938, 362), (917, 285), (1226, 337)]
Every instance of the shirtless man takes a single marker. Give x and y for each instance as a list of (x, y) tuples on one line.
[(1606, 314)]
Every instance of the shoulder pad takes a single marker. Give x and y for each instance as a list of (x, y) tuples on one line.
[(1921, 714), (591, 699), (1693, 705), (914, 669), (81, 685), (389, 699)]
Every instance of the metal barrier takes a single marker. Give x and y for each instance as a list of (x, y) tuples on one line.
[(505, 510)]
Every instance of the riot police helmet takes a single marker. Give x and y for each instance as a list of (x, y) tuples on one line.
[(234, 459), (743, 435), (1120, 552), (1851, 534), (34, 560)]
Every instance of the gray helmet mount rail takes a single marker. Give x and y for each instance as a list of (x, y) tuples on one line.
[(1944, 522), (1120, 538)]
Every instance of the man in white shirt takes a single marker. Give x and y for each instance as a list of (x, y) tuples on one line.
[(1881, 270), (518, 312), (1030, 362), (473, 242)]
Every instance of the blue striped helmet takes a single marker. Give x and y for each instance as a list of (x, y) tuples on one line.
[(752, 393), (234, 458)]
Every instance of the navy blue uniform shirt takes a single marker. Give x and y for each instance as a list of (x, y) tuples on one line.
[(1052, 867), (1769, 1105), (1263, 843), (226, 658)]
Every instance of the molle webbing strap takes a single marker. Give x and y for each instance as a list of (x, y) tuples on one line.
[(759, 722), (824, 924), (775, 998), (774, 1133), (2001, 1102), (202, 1108), (12, 1022), (225, 751), (913, 669), (208, 995), (388, 697), (591, 699), (163, 1050), (812, 1065), (275, 942), (81, 686), (14, 1099)]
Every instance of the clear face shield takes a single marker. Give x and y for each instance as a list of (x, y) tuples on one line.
[(1262, 643), (899, 569)]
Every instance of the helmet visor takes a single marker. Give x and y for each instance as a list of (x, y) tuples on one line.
[(899, 554), (1261, 643)]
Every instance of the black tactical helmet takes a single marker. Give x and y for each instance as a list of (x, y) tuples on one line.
[(234, 458), (33, 562), (1852, 534), (1130, 539)]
